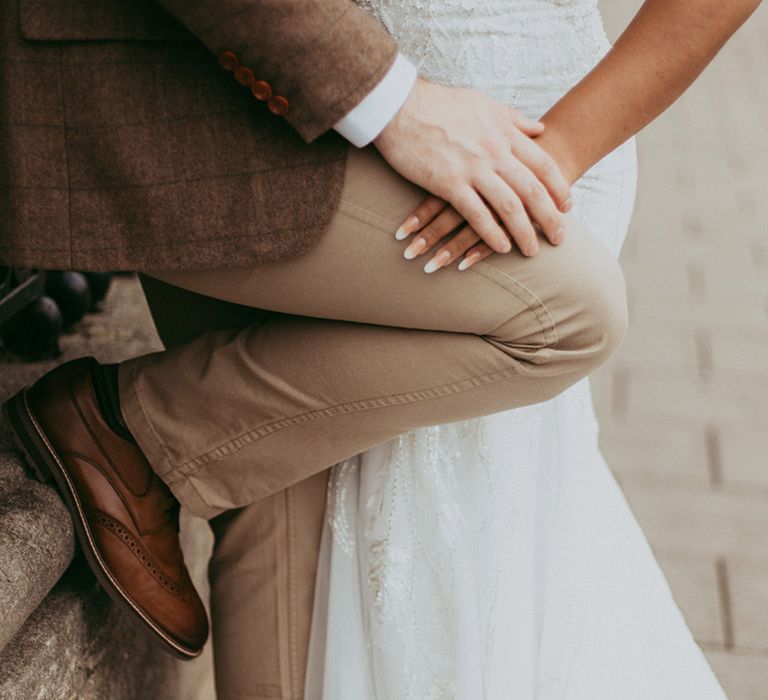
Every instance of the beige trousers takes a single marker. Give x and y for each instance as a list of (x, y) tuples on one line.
[(363, 346)]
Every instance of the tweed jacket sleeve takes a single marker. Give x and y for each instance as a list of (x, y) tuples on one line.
[(322, 56)]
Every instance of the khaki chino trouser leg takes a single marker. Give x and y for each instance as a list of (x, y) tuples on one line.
[(364, 346), (262, 572)]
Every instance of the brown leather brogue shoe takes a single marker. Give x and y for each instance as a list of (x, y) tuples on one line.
[(125, 517)]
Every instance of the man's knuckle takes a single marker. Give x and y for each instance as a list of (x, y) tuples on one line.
[(552, 221), (477, 218), (509, 207), (493, 148), (545, 166), (534, 190), (450, 176)]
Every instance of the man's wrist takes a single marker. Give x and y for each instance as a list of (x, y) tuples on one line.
[(366, 121)]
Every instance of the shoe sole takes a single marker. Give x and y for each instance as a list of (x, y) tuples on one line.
[(47, 467)]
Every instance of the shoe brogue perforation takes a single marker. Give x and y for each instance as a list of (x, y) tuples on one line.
[(138, 550)]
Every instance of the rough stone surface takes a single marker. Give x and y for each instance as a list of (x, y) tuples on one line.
[(36, 544), (77, 644)]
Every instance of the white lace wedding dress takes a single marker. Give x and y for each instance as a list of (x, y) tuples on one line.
[(497, 558)]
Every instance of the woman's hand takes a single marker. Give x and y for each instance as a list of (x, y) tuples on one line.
[(434, 220)]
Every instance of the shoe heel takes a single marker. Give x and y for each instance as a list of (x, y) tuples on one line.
[(15, 412)]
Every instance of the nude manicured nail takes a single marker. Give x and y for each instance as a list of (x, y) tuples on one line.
[(470, 260), (568, 205), (559, 235), (437, 262), (416, 248), (407, 228)]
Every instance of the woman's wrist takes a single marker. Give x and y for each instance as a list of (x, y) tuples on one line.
[(552, 142)]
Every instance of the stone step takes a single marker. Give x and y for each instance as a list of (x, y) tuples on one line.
[(60, 634), (78, 644), (36, 541)]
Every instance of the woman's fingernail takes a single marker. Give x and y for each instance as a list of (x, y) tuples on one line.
[(559, 235), (506, 246), (470, 260), (568, 205), (416, 248), (407, 228), (437, 262), (532, 249)]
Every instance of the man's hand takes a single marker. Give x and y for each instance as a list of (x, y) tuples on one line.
[(478, 155)]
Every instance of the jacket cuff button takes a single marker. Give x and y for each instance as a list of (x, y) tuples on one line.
[(278, 105), (244, 76), (261, 90), (229, 60)]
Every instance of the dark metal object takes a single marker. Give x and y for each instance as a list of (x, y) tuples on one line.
[(70, 291), (18, 288), (34, 331), (37, 306)]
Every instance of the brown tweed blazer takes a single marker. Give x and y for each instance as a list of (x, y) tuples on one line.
[(125, 145)]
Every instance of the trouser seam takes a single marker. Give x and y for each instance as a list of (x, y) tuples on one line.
[(293, 661), (283, 583), (539, 308), (249, 437), (532, 303)]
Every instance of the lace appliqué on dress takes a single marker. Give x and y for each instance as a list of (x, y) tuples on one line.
[(508, 49)]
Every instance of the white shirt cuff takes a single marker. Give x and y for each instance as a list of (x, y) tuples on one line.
[(366, 121)]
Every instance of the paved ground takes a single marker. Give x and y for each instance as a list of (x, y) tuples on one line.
[(684, 403)]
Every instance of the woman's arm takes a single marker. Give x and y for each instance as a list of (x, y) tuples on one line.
[(662, 51)]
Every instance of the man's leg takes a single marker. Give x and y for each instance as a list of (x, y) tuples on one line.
[(264, 561), (262, 592), (375, 347)]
